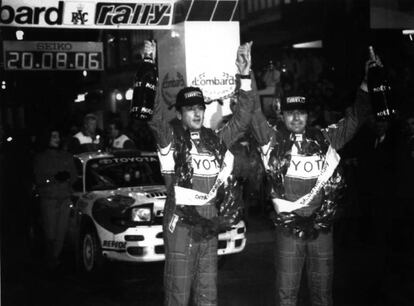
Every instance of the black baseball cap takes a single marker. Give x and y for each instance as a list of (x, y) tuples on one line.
[(294, 99), (294, 102), (189, 96)]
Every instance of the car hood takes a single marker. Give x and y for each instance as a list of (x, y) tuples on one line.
[(141, 195), (110, 207)]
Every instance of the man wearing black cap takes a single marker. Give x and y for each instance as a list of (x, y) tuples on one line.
[(301, 163), (195, 162)]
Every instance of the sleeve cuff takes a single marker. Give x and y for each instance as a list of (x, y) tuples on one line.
[(246, 84), (165, 150)]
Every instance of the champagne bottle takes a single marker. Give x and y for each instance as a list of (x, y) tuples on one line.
[(379, 89), (145, 82)]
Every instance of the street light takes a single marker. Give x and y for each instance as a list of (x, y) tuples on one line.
[(129, 93), (81, 97), (309, 44), (118, 96)]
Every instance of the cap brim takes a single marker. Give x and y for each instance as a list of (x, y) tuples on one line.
[(294, 106), (190, 102)]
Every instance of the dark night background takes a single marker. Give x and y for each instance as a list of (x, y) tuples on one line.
[(375, 266)]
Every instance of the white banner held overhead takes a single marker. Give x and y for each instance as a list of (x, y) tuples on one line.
[(88, 14), (200, 54)]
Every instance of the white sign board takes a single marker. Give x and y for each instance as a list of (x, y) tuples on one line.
[(199, 54), (87, 14)]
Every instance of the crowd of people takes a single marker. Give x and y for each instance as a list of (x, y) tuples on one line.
[(377, 162), (40, 168)]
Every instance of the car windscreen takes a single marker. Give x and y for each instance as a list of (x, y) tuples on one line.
[(116, 172)]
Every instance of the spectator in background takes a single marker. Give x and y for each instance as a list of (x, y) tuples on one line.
[(403, 213), (271, 76), (248, 169), (1, 169), (290, 64), (54, 172), (315, 117), (2, 138), (331, 114), (87, 139), (376, 173), (117, 139)]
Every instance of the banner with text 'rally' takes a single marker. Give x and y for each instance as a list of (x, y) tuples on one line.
[(87, 14)]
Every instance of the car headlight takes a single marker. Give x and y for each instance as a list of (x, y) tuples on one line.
[(141, 214)]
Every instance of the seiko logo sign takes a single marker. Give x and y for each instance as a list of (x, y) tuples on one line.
[(54, 46), (131, 13), (170, 86), (32, 15)]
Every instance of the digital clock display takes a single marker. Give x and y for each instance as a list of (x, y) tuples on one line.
[(52, 55)]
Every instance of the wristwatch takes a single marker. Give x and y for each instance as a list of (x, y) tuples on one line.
[(245, 76)]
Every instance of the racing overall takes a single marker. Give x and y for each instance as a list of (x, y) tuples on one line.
[(191, 266), (292, 253)]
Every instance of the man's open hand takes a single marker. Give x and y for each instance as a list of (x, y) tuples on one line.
[(244, 59), (149, 49)]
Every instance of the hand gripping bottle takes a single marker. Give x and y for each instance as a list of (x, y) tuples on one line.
[(379, 89), (145, 82)]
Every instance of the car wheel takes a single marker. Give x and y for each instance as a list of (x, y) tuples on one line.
[(91, 259)]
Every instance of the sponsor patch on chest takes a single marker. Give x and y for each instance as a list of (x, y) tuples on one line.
[(305, 167), (205, 165)]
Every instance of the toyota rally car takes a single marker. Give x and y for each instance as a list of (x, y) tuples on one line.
[(117, 211)]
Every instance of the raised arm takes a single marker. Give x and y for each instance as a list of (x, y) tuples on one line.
[(240, 121), (158, 124), (342, 132), (260, 128)]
